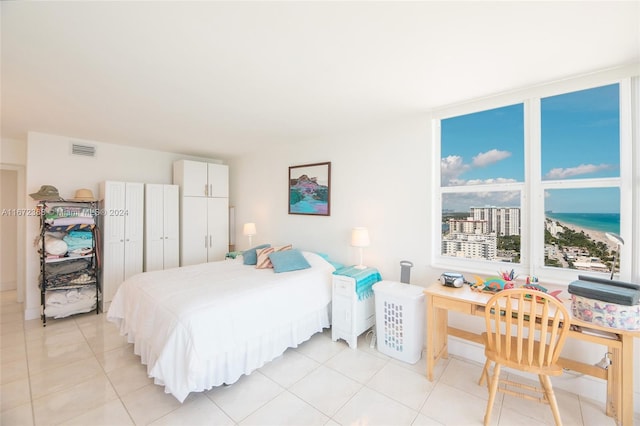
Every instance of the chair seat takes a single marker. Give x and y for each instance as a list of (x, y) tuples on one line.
[(530, 366)]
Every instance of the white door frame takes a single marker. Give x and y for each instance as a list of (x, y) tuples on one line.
[(21, 247)]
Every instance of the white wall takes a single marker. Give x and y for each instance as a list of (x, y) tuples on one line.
[(377, 180), (13, 152), (49, 162)]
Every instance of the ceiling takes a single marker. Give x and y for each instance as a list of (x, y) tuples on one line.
[(219, 79)]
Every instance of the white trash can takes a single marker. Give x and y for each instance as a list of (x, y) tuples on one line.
[(400, 320)]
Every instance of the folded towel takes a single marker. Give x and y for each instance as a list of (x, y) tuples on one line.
[(365, 279)]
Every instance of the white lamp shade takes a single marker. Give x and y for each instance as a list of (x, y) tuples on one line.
[(249, 229), (360, 237)]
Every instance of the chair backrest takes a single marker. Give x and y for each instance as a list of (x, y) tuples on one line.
[(526, 326)]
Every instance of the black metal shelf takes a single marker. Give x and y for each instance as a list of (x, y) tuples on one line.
[(93, 269)]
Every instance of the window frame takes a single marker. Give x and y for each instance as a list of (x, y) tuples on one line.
[(533, 188)]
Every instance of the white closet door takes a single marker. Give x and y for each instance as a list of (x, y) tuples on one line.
[(113, 196), (218, 226), (134, 231), (193, 233), (154, 227), (171, 226), (194, 179), (218, 175)]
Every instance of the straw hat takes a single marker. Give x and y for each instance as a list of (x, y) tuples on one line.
[(47, 193), (84, 195)]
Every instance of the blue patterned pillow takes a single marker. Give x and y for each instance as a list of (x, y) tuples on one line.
[(250, 257), (288, 260)]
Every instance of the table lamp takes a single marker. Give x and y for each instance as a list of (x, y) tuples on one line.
[(249, 229), (360, 239)]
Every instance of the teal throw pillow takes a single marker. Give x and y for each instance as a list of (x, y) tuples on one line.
[(288, 260), (250, 257)]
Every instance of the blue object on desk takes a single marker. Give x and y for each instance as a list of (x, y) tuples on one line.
[(365, 279)]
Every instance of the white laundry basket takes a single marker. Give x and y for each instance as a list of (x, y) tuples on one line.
[(400, 320)]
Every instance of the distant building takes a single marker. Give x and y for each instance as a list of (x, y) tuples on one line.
[(553, 228), (470, 245), (468, 226), (476, 237), (588, 263), (501, 220)]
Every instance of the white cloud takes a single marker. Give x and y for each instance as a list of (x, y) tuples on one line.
[(490, 181), (490, 157), (462, 202), (582, 169), (450, 168)]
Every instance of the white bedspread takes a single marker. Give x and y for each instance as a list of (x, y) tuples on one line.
[(204, 325)]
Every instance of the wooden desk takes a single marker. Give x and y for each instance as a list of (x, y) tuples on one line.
[(619, 376)]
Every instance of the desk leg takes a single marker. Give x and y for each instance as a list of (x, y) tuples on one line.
[(430, 327), (613, 384), (620, 382), (437, 334), (625, 398)]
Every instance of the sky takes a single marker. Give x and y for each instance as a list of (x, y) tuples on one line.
[(580, 139)]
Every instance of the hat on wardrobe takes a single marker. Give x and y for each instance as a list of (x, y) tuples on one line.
[(47, 193), (84, 195)]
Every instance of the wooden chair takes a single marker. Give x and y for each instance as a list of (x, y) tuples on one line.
[(526, 330)]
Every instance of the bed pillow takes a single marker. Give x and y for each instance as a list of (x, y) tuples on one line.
[(250, 257), (336, 265), (263, 256), (288, 260)]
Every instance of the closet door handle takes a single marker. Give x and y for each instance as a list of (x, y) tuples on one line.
[(205, 241), (206, 190), (211, 190)]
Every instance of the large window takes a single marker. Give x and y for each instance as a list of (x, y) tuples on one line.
[(535, 185), (482, 153)]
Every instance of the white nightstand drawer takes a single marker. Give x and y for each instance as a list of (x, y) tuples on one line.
[(344, 286)]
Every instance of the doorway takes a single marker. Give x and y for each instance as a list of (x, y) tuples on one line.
[(12, 229)]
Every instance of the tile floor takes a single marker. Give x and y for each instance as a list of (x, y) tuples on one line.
[(80, 371)]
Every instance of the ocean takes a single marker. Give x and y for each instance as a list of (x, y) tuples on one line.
[(604, 222)]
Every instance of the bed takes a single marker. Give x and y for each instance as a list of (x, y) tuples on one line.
[(205, 325)]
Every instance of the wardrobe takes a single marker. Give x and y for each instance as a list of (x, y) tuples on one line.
[(161, 227), (121, 218), (204, 210)]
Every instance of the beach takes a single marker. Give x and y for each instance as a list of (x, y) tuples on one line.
[(597, 236)]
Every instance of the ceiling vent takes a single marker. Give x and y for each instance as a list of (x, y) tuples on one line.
[(83, 149)]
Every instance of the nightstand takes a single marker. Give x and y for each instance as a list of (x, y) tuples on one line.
[(353, 307)]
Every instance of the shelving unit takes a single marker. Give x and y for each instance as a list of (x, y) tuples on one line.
[(69, 282)]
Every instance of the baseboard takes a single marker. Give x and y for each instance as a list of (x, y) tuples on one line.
[(31, 314)]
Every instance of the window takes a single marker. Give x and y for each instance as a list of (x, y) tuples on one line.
[(535, 184), (580, 147)]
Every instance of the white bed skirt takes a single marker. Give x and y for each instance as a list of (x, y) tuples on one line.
[(225, 368)]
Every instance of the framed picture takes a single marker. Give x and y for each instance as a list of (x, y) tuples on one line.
[(310, 189)]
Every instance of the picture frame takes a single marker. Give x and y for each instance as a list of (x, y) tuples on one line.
[(310, 189)]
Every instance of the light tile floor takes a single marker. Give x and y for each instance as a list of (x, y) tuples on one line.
[(80, 371)]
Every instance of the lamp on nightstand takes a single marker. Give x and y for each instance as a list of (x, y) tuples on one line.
[(360, 239), (249, 229)]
